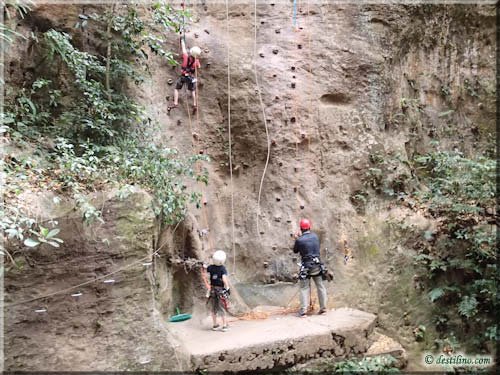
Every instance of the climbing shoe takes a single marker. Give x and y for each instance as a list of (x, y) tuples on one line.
[(215, 327), (301, 314), (225, 328), (322, 311), (172, 107)]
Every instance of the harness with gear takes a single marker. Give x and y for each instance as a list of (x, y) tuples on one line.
[(311, 267)]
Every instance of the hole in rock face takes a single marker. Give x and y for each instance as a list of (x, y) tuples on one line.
[(335, 98), (177, 280), (182, 291)]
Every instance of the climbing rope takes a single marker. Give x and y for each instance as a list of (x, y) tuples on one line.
[(263, 115), (148, 257), (230, 139), (194, 144)]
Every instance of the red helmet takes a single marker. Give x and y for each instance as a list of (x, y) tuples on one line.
[(305, 224)]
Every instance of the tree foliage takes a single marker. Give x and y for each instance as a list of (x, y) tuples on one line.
[(459, 260), (94, 133)]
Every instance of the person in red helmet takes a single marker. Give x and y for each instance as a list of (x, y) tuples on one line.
[(307, 245)]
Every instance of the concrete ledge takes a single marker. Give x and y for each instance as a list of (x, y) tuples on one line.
[(277, 342)]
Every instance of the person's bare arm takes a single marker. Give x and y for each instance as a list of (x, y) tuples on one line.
[(183, 46), (225, 281)]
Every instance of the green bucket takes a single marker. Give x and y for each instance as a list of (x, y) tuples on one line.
[(179, 317)]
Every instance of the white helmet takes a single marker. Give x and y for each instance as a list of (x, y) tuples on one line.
[(195, 51), (219, 257)]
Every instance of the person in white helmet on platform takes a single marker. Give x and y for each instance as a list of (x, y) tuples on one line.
[(219, 289), (189, 65)]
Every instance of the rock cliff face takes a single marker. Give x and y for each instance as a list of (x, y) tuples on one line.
[(352, 84)]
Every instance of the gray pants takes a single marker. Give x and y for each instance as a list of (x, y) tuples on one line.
[(305, 286)]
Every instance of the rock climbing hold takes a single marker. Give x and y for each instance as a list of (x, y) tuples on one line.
[(277, 219), (274, 247), (195, 136), (302, 206), (292, 120), (261, 232), (299, 46), (205, 202), (201, 152), (274, 75), (303, 135), (295, 189), (293, 76), (170, 81), (262, 22), (277, 31), (277, 97), (179, 122), (275, 51), (196, 35), (293, 68), (208, 65), (265, 264), (289, 221), (273, 142), (301, 28), (280, 163), (208, 32), (272, 4), (278, 199), (261, 54), (293, 85)]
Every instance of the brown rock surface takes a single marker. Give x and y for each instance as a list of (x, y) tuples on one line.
[(369, 79)]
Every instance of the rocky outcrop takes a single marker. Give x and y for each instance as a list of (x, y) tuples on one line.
[(353, 83), (275, 343), (108, 323)]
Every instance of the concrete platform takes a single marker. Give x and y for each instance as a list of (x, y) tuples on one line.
[(277, 342)]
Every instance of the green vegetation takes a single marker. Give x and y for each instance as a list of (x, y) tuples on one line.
[(379, 364), (82, 130), (458, 261)]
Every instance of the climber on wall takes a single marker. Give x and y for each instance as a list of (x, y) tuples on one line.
[(307, 244), (190, 63), (219, 289)]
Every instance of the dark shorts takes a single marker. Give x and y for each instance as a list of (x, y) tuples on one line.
[(185, 79), (218, 302)]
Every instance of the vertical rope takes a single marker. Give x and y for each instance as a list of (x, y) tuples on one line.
[(229, 136), (294, 15), (263, 115)]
